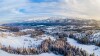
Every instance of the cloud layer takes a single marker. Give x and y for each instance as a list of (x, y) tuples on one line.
[(24, 9)]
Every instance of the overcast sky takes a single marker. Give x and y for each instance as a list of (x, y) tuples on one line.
[(12, 10)]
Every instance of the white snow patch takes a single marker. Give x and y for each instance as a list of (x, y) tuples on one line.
[(27, 30)]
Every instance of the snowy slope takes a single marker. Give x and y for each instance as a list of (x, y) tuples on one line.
[(89, 48), (23, 41), (96, 36)]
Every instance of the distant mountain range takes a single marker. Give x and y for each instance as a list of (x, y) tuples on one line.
[(53, 21)]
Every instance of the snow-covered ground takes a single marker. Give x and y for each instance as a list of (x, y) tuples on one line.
[(95, 36), (27, 30), (23, 41), (89, 48), (3, 53), (26, 41)]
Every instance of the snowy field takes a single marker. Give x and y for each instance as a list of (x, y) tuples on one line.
[(23, 41), (28, 42), (89, 48)]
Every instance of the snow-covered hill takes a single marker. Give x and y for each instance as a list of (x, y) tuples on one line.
[(89, 48), (23, 41)]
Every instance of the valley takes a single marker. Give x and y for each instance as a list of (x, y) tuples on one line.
[(65, 37)]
